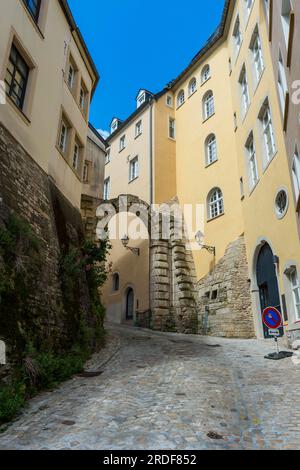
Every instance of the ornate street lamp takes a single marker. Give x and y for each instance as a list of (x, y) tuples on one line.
[(199, 239), (125, 242)]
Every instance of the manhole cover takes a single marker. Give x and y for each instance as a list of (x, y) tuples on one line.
[(215, 436)]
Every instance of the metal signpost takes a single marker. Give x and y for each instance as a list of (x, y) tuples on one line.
[(273, 320)]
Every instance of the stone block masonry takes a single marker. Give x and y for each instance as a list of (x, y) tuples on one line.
[(224, 296)]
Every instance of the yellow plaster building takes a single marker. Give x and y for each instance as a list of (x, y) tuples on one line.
[(214, 137)]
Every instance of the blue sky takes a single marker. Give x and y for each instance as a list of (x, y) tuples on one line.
[(140, 44)]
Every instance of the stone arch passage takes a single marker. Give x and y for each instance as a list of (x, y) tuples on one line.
[(173, 301)]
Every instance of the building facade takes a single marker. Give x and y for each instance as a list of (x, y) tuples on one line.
[(47, 81), (216, 138)]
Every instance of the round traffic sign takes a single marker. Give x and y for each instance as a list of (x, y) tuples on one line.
[(272, 318)]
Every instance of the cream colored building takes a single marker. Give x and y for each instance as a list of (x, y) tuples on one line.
[(216, 138), (50, 78)]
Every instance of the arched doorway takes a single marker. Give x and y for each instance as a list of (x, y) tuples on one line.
[(267, 282), (129, 304)]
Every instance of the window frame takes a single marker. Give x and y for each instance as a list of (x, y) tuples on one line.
[(106, 188), (268, 128), (192, 86), (205, 78), (172, 121), (296, 176), (122, 143), (245, 91), (216, 207), (19, 57), (295, 287), (138, 128), (208, 105), (257, 55), (180, 98), (133, 169), (64, 124), (252, 165), (211, 140), (86, 174), (35, 16)]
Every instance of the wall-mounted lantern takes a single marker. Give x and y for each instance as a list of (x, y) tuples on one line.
[(199, 239), (125, 242)]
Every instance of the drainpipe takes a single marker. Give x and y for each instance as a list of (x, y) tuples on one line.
[(151, 152)]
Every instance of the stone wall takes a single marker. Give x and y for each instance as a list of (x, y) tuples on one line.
[(26, 191), (224, 296)]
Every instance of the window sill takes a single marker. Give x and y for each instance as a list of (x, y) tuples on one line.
[(122, 150), (269, 162), (238, 53), (65, 157), (32, 20), (192, 94), (139, 135), (210, 164), (19, 111), (180, 106), (215, 218), (252, 189), (209, 117), (258, 81), (245, 114), (133, 180), (172, 139), (204, 83)]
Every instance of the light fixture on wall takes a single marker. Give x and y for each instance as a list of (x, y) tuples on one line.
[(199, 239), (125, 242)]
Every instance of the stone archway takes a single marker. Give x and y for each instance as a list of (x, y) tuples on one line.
[(172, 275)]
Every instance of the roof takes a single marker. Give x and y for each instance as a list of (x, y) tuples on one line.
[(210, 43), (98, 135), (74, 28)]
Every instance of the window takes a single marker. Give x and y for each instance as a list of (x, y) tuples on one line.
[(257, 55), (122, 143), (267, 9), (215, 203), (180, 98), (141, 100), (295, 286), (106, 190), (281, 203), (211, 149), (71, 76), (133, 169), (237, 36), (86, 172), (138, 128), (252, 162), (248, 6), (83, 97), (63, 138), (244, 91), (75, 162), (33, 7), (116, 282), (268, 133), (208, 105), (16, 78), (170, 101), (107, 157), (192, 86), (296, 174), (286, 19), (205, 75), (282, 83), (172, 133)]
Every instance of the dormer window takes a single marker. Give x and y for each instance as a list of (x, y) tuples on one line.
[(114, 125), (141, 100)]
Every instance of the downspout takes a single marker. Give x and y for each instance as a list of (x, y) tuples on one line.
[(151, 152)]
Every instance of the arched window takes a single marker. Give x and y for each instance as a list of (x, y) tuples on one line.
[(192, 86), (208, 105), (116, 282), (205, 75), (215, 203), (180, 98), (211, 149)]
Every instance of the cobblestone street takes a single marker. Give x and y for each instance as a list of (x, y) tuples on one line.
[(164, 391)]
